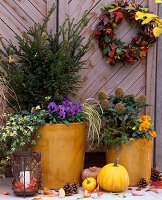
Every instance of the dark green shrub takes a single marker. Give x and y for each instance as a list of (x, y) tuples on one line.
[(44, 64)]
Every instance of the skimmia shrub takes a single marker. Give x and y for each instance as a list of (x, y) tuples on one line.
[(121, 122)]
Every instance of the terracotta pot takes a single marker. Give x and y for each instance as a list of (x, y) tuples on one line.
[(135, 157), (62, 150)]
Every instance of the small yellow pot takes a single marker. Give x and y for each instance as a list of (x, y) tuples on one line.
[(62, 150), (136, 158)]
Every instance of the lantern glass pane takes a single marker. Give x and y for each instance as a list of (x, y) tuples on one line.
[(26, 168)]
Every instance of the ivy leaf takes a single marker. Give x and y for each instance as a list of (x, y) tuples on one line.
[(39, 136), (114, 9)]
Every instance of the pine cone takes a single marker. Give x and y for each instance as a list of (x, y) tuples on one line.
[(68, 189), (142, 183), (155, 175), (75, 187)]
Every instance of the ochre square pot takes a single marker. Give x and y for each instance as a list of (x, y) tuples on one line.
[(136, 158), (62, 150)]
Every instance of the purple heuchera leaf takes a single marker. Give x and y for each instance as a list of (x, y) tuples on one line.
[(52, 107)]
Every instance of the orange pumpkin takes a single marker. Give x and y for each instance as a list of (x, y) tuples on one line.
[(113, 178), (90, 172), (89, 184)]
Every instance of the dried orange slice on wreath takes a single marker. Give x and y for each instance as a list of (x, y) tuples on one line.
[(113, 48)]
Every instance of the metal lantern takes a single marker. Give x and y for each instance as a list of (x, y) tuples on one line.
[(26, 169)]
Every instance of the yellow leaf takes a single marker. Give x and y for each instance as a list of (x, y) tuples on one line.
[(146, 21), (108, 60), (158, 1), (159, 22), (157, 31), (139, 15), (10, 59), (148, 15)]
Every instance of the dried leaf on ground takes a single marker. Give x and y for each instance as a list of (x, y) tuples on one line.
[(138, 189), (135, 194), (157, 184), (97, 188), (38, 198), (61, 193), (99, 194), (85, 194), (4, 192), (152, 189), (46, 191), (51, 195), (95, 197), (119, 195)]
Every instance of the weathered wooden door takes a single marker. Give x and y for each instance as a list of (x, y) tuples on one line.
[(18, 16)]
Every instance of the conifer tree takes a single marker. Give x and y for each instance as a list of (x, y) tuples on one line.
[(45, 64)]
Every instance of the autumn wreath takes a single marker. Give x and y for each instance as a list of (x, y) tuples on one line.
[(113, 48)]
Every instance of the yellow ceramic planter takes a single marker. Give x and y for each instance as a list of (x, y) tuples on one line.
[(62, 150), (136, 158)]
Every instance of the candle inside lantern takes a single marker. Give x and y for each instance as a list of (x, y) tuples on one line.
[(27, 178)]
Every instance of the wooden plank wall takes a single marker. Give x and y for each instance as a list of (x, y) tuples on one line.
[(138, 79), (17, 16), (158, 112)]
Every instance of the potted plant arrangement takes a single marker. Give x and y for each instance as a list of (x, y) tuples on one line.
[(127, 135), (39, 72)]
